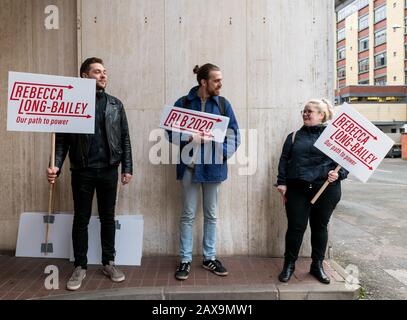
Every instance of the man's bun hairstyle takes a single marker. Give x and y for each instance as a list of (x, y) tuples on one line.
[(196, 69), (202, 73)]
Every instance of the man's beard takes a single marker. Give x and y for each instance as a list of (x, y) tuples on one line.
[(98, 87), (213, 92)]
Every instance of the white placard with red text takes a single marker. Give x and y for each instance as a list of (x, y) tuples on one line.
[(183, 120), (44, 103), (354, 142)]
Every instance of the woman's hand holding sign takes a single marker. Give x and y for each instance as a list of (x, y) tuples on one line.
[(332, 176)]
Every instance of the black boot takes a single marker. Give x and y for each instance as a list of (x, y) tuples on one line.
[(317, 270), (288, 270)]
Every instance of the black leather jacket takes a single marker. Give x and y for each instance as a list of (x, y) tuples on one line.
[(303, 161), (117, 132)]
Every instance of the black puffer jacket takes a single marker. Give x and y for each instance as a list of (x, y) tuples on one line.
[(303, 161), (117, 132)]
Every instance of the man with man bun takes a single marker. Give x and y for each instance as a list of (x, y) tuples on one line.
[(203, 169)]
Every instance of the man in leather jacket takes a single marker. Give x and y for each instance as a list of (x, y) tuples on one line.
[(94, 160)]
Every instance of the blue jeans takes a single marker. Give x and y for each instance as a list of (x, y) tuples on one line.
[(210, 201)]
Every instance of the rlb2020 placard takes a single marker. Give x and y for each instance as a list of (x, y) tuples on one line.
[(211, 126)]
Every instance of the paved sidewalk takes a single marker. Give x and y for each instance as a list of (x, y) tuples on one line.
[(249, 278)]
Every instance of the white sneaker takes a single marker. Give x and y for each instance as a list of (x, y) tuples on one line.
[(113, 272), (75, 281)]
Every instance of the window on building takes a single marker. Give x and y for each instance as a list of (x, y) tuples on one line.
[(364, 65), (341, 34), (380, 37), (373, 99), (405, 24), (341, 53), (363, 22), (341, 14), (380, 14), (341, 73), (380, 81), (364, 82), (351, 8), (363, 44), (405, 77), (380, 60)]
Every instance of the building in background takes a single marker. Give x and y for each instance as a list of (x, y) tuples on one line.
[(371, 65)]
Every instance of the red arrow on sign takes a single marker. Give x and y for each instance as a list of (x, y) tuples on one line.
[(60, 115), (370, 168), (373, 136), (45, 85), (36, 84)]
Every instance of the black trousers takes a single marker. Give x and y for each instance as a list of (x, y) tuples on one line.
[(299, 210), (84, 183)]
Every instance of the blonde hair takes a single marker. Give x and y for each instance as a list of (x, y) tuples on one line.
[(324, 106)]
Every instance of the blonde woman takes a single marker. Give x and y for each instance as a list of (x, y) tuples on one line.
[(302, 170)]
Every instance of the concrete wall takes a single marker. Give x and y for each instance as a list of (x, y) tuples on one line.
[(26, 46), (274, 56)]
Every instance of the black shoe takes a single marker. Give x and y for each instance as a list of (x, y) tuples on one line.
[(288, 270), (215, 266), (182, 272), (317, 270)]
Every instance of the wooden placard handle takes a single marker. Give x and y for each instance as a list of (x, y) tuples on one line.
[(324, 187), (51, 191)]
